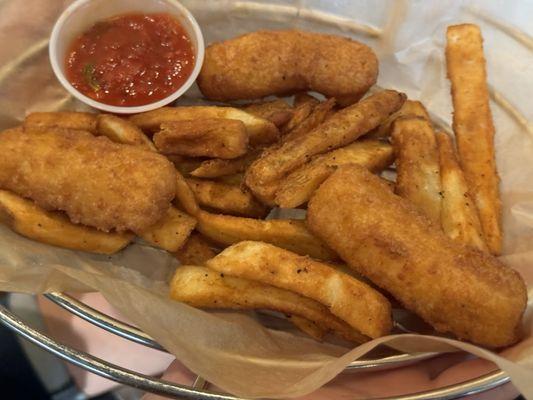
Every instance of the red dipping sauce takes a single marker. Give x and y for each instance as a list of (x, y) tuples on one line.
[(131, 60)]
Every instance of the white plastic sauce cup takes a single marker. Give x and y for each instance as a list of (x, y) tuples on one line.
[(83, 14)]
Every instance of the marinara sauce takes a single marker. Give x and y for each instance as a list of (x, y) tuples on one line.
[(131, 60)]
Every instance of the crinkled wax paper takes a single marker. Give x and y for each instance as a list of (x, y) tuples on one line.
[(232, 350)]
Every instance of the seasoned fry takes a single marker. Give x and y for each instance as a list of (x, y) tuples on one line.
[(260, 131), (298, 186), (342, 128), (196, 250), (65, 119), (218, 167), (417, 165), (410, 108), (171, 232), (288, 234), (304, 105), (202, 287), (235, 180), (227, 199), (29, 220), (308, 327), (315, 118), (120, 130), (473, 126), (185, 197), (459, 215), (384, 237), (362, 307), (279, 112), (223, 138)]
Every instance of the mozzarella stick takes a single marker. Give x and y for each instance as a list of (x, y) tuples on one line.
[(384, 237), (473, 126)]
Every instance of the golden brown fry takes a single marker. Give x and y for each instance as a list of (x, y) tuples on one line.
[(410, 108), (120, 130), (171, 232), (459, 215), (473, 126), (308, 327), (196, 250), (417, 165), (227, 199), (202, 287), (185, 197), (66, 119), (260, 131), (29, 220), (223, 138), (315, 118), (185, 165), (453, 287), (342, 128), (299, 185), (218, 167), (304, 105), (288, 234), (235, 179), (362, 307), (279, 112)]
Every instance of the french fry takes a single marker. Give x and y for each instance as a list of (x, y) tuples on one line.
[(223, 138), (122, 131), (234, 180), (473, 126), (260, 131), (196, 250), (171, 232), (66, 119), (297, 188), (279, 112), (204, 288), (308, 327), (185, 197), (315, 118), (417, 165), (288, 234), (353, 301), (341, 129), (218, 167), (227, 199), (459, 215), (29, 220), (185, 165), (410, 108), (304, 104)]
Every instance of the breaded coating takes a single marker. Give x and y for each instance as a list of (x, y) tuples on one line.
[(473, 126), (65, 119), (96, 182), (264, 63), (454, 288)]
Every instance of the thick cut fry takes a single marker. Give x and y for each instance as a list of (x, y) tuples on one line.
[(299, 185), (227, 199), (410, 108), (185, 165), (260, 131), (315, 118), (473, 126), (224, 138), (341, 129), (279, 112), (234, 180), (356, 303), (29, 220), (96, 182), (120, 130), (66, 119), (288, 234), (185, 197), (384, 237), (218, 167), (304, 105), (459, 215), (308, 327), (204, 288), (171, 232), (417, 165), (196, 250)]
